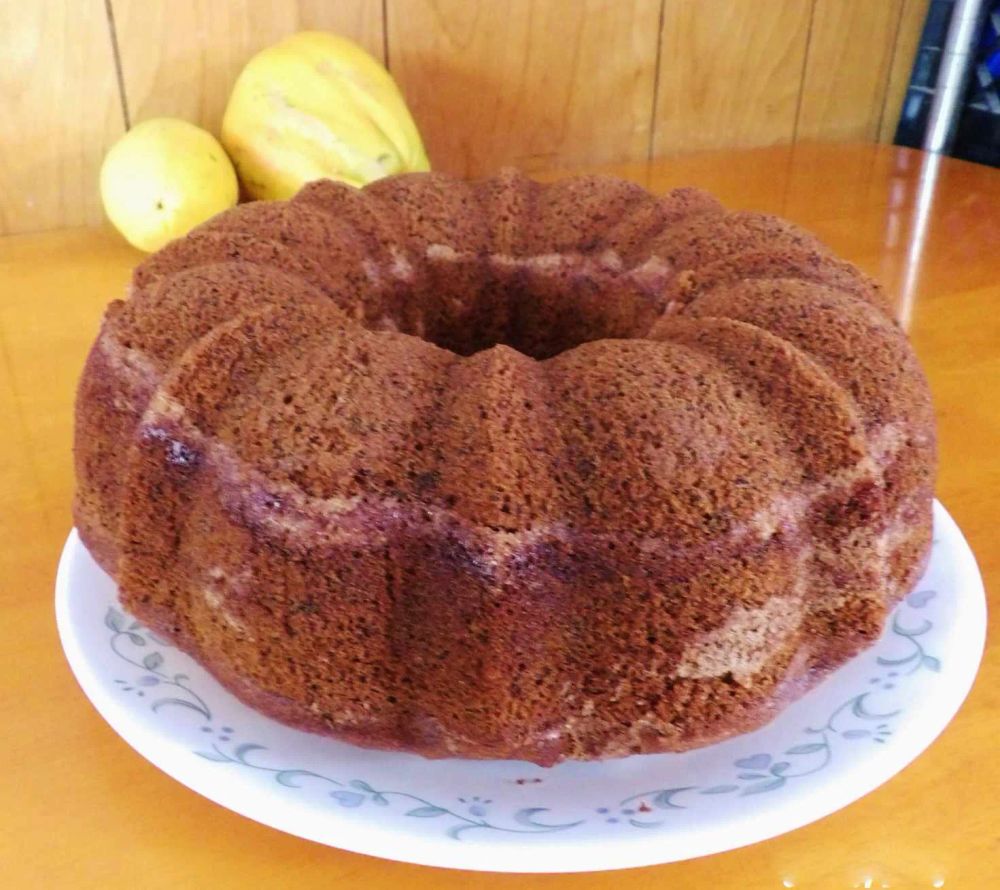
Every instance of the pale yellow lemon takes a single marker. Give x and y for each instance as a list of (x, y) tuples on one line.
[(163, 178), (317, 106)]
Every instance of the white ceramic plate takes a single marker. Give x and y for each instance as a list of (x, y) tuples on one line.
[(849, 735)]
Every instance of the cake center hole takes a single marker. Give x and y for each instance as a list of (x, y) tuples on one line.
[(539, 315)]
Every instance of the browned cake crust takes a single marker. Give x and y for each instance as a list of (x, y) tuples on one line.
[(503, 469)]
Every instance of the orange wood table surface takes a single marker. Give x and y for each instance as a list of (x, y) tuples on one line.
[(78, 808)]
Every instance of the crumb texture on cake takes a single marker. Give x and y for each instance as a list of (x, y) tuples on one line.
[(505, 469)]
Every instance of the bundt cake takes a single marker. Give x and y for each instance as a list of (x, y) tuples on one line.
[(508, 470)]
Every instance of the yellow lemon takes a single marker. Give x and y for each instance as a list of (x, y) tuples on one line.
[(164, 177), (317, 105)]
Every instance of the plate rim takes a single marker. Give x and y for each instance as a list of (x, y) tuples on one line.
[(551, 854)]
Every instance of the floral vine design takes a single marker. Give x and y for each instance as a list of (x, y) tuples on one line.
[(762, 772), (356, 792), (151, 663), (917, 657), (854, 720)]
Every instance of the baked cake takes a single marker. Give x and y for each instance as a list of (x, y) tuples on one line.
[(506, 470)]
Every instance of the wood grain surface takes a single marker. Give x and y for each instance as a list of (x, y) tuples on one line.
[(59, 112), (730, 73), (528, 82), (79, 808), (850, 53), (525, 82)]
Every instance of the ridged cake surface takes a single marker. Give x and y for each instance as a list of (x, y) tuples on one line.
[(505, 469)]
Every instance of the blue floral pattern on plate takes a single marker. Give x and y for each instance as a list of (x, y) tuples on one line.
[(849, 734), (857, 720)]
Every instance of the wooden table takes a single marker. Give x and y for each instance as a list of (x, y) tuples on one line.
[(78, 808)]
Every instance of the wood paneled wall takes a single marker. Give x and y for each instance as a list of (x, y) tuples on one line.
[(537, 83)]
